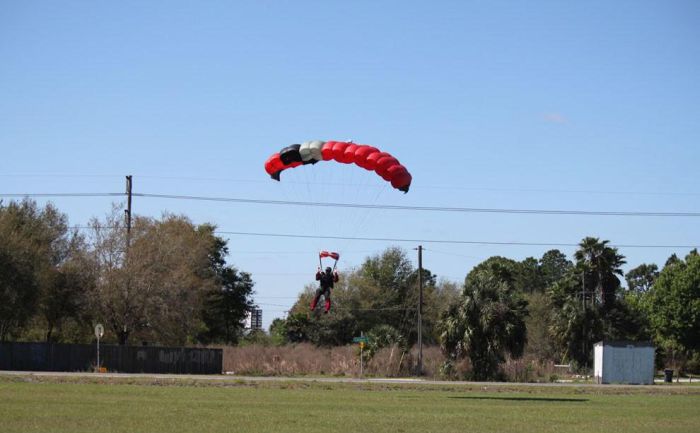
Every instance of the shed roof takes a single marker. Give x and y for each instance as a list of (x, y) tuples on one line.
[(625, 343)]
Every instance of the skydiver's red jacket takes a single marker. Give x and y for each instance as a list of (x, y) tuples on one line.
[(327, 280)]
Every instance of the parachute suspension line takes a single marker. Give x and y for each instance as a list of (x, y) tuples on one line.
[(350, 190), (315, 220), (327, 190), (370, 158), (366, 216), (362, 218)]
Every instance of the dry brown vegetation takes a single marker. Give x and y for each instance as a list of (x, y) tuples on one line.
[(306, 359)]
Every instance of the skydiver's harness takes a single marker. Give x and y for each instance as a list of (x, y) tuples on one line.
[(326, 281)]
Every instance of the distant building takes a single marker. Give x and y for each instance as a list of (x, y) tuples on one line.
[(624, 362), (253, 319)]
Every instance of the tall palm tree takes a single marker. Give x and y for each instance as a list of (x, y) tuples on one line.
[(486, 324), (600, 265)]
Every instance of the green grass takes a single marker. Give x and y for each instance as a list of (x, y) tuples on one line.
[(115, 405)]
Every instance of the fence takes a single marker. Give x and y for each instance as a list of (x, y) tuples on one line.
[(123, 359)]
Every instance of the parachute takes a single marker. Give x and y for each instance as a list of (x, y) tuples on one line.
[(367, 157)]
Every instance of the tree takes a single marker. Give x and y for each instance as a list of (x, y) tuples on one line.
[(113, 300), (529, 278), (539, 321), (554, 266), (18, 288), (382, 291), (229, 300), (278, 331), (587, 304), (63, 298), (600, 265), (576, 327), (642, 278), (673, 304), (487, 323), (155, 289), (34, 244), (226, 306)]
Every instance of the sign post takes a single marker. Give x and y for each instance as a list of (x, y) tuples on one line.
[(99, 332), (363, 341)]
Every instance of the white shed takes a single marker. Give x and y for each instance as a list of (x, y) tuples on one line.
[(624, 362)]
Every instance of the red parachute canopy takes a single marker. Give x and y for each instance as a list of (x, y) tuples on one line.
[(367, 157), (331, 254)]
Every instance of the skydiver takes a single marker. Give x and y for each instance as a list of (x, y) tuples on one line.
[(326, 279)]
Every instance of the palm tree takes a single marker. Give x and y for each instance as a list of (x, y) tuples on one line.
[(599, 264), (486, 324)]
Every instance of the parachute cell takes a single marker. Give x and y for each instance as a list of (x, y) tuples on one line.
[(349, 153), (290, 154), (327, 150), (362, 153), (371, 162), (339, 150)]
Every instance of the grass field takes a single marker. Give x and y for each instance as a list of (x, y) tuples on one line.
[(114, 405)]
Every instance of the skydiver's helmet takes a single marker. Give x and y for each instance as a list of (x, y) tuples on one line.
[(328, 270)]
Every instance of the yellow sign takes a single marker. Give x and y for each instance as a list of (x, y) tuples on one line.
[(362, 344)]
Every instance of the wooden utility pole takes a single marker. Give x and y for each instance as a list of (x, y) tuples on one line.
[(127, 211), (420, 309)]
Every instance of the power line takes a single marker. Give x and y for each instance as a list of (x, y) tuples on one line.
[(422, 186), (58, 175), (434, 241), (66, 194), (421, 208), (443, 241), (372, 206)]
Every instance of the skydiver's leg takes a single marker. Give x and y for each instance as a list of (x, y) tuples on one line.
[(315, 300), (328, 300)]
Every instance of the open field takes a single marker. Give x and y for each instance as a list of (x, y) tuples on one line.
[(107, 404)]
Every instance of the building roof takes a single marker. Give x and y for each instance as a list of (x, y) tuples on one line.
[(625, 343)]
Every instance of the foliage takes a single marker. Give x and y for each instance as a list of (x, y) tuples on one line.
[(575, 327), (588, 305), (554, 266), (256, 337), (169, 285), (540, 344), (673, 304), (600, 265), (488, 321), (226, 304), (278, 331), (642, 278), (35, 244), (382, 291), (18, 288), (384, 336)]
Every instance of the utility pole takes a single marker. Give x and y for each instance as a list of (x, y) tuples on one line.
[(420, 309), (127, 211), (127, 214)]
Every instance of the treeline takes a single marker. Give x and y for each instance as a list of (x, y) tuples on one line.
[(166, 282), (549, 308)]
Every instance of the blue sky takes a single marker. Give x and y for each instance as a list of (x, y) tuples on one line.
[(549, 105)]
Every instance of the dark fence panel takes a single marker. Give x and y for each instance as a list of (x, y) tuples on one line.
[(124, 359)]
